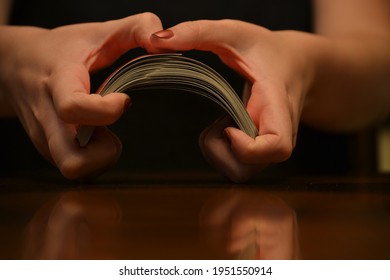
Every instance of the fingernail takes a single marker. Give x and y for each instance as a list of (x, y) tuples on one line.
[(127, 104), (164, 34)]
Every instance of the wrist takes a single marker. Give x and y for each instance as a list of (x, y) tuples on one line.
[(301, 52)]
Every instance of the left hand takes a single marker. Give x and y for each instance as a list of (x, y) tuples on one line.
[(45, 75)]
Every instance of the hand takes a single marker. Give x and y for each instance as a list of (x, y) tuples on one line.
[(276, 65), (45, 74)]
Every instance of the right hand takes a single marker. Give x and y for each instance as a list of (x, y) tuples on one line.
[(46, 76), (278, 67)]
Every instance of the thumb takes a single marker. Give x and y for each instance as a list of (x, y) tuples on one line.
[(218, 151), (70, 85)]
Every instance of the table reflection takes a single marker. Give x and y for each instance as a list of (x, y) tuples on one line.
[(320, 218), (230, 224), (248, 224), (75, 225)]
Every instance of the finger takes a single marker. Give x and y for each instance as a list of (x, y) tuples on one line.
[(246, 92), (207, 35), (73, 103), (56, 142), (75, 162), (118, 36), (265, 149), (70, 82), (268, 105), (217, 150), (270, 110), (223, 37)]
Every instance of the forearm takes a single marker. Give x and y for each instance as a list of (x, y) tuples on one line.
[(351, 85), (5, 7), (15, 54), (6, 109)]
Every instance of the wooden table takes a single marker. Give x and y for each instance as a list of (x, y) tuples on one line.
[(194, 216)]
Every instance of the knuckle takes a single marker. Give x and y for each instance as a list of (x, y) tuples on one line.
[(149, 17), (72, 169), (83, 166), (114, 112), (79, 172), (284, 152), (278, 150), (196, 30), (111, 115), (66, 109)]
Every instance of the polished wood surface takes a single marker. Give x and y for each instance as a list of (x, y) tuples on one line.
[(194, 216)]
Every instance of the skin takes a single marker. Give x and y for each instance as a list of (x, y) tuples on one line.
[(335, 80), (4, 8), (51, 70)]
